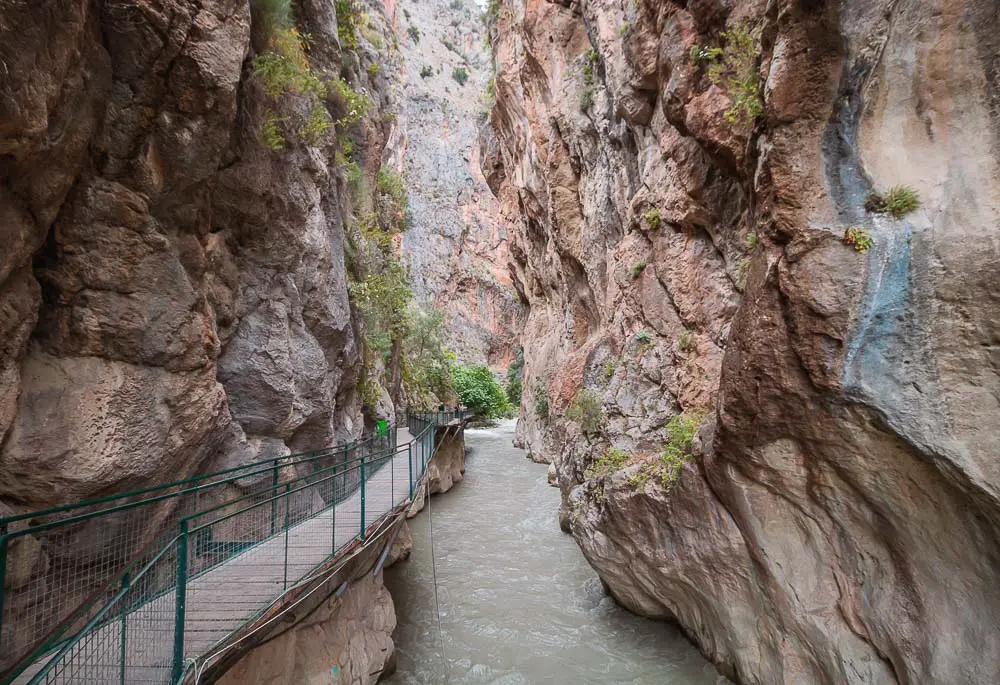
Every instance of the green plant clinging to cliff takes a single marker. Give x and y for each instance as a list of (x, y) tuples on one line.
[(652, 217), (414, 33), (858, 237), (612, 460), (586, 410), (637, 269), (735, 67), (515, 374), (460, 74), (681, 430), (587, 69)]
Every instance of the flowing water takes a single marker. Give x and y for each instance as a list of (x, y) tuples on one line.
[(518, 603)]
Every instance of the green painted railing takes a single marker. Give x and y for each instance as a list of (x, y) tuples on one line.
[(151, 580)]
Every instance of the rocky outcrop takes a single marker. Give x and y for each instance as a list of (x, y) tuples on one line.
[(346, 640), (173, 294), (682, 254), (456, 240)]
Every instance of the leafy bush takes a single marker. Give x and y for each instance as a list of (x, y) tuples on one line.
[(704, 54), (586, 98), (652, 217), (752, 241), (428, 362), (586, 410), (349, 16), (479, 391), (542, 399), (354, 103), (681, 430), (643, 338), (414, 33), (735, 66), (612, 460), (858, 237), (270, 133), (460, 75), (637, 269)]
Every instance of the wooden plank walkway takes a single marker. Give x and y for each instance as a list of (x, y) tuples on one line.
[(225, 597)]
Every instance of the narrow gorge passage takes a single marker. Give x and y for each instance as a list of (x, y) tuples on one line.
[(519, 604)]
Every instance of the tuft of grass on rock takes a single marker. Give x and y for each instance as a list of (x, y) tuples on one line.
[(637, 269)]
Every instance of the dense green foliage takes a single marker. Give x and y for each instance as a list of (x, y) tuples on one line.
[(427, 362), (460, 74), (478, 390), (901, 200), (414, 33)]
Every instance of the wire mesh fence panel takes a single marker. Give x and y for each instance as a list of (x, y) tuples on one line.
[(238, 546)]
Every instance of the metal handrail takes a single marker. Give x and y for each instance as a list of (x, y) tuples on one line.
[(318, 492)]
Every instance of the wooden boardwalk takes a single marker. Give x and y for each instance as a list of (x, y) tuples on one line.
[(223, 598)]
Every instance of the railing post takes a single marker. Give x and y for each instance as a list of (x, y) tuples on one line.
[(274, 494), (362, 496), (124, 629), (287, 511), (182, 554), (4, 543), (409, 454)]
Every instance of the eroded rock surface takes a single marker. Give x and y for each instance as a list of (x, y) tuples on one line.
[(839, 522), (172, 292), (456, 241), (348, 636)]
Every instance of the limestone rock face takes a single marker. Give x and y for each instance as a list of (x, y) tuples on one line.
[(349, 636), (173, 295), (456, 241), (839, 520)]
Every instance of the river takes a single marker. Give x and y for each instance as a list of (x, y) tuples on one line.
[(519, 605)]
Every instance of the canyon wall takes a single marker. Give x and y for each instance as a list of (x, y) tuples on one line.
[(679, 179), (456, 242), (172, 286)]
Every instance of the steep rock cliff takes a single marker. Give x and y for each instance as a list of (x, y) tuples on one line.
[(456, 242), (173, 290), (683, 255)]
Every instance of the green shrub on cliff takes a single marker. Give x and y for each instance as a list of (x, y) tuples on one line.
[(637, 269), (586, 410), (734, 67), (478, 390), (460, 74), (858, 237), (414, 33), (901, 200), (612, 460), (681, 430)]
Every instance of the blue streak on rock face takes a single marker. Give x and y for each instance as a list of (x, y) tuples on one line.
[(867, 370)]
